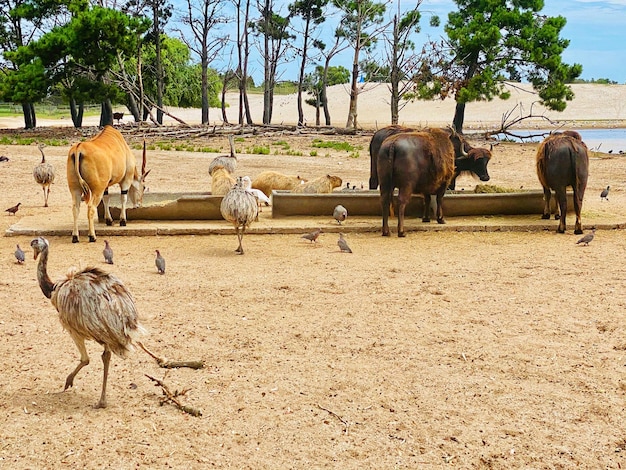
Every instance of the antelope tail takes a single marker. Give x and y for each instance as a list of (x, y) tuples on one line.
[(86, 190)]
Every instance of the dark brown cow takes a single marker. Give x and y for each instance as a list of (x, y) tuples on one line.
[(415, 162), (562, 161), (377, 140), (474, 163)]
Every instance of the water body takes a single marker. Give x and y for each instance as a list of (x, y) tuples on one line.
[(602, 140)]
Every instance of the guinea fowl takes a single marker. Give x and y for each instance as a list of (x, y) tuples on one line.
[(92, 305)]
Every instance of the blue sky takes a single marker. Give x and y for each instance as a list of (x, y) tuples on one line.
[(596, 30)]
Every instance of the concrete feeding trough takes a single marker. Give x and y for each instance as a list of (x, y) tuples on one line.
[(205, 206), (168, 206), (367, 203)]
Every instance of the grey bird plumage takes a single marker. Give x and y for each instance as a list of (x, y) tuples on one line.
[(605, 193), (343, 244), (229, 162), (107, 252), (19, 255), (585, 240), (240, 208), (312, 237), (159, 262), (340, 213), (92, 305), (44, 175)]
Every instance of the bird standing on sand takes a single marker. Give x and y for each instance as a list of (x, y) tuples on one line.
[(587, 238), (86, 315), (343, 244), (14, 209), (229, 162), (605, 193), (159, 262), (19, 255), (240, 208), (107, 252), (44, 175), (312, 237), (340, 213)]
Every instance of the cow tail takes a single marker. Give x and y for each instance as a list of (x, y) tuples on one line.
[(84, 187), (390, 161)]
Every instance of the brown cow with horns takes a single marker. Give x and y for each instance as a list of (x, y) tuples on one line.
[(96, 164), (416, 162)]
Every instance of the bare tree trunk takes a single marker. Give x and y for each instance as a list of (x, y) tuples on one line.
[(301, 76), (106, 113), (354, 92), (459, 117), (30, 120), (205, 91), (77, 111), (159, 65)]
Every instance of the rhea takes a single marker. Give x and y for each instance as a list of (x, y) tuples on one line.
[(44, 175), (92, 305)]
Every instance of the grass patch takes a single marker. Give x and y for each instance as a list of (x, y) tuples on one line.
[(9, 140), (329, 144), (259, 150), (491, 188)]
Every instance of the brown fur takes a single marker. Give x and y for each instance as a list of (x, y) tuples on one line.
[(270, 180), (221, 181), (321, 185)]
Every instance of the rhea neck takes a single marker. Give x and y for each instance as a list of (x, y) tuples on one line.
[(46, 285)]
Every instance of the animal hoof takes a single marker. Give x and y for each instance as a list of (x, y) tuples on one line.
[(557, 216), (560, 230), (74, 239), (109, 222), (426, 219), (122, 223), (441, 221), (92, 239), (578, 231), (545, 216), (385, 234), (401, 234)]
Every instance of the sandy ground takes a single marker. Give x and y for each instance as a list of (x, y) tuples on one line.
[(440, 350)]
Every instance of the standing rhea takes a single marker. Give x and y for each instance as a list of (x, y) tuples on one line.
[(159, 261), (107, 252), (229, 162), (340, 213), (240, 208), (92, 305), (44, 175)]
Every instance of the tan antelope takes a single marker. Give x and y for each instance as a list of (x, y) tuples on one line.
[(96, 164)]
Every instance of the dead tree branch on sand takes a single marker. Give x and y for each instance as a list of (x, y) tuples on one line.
[(166, 364), (172, 397), (510, 120)]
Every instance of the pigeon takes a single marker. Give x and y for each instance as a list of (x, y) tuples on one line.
[(587, 238), (19, 255), (605, 193), (13, 210), (343, 244), (160, 262), (312, 237), (107, 252), (340, 213)]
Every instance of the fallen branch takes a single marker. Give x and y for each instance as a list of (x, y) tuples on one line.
[(166, 364), (173, 397), (332, 413)]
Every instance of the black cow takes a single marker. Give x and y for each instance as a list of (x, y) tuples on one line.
[(118, 117), (474, 163), (562, 161), (415, 162)]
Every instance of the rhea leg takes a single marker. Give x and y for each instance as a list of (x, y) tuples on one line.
[(240, 238), (84, 360), (106, 358)]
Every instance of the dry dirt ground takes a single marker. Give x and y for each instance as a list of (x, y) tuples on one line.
[(439, 350)]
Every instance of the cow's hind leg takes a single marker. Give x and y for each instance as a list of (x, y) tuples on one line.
[(403, 199), (578, 205), (547, 195), (385, 203), (440, 194), (561, 197), (426, 213)]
